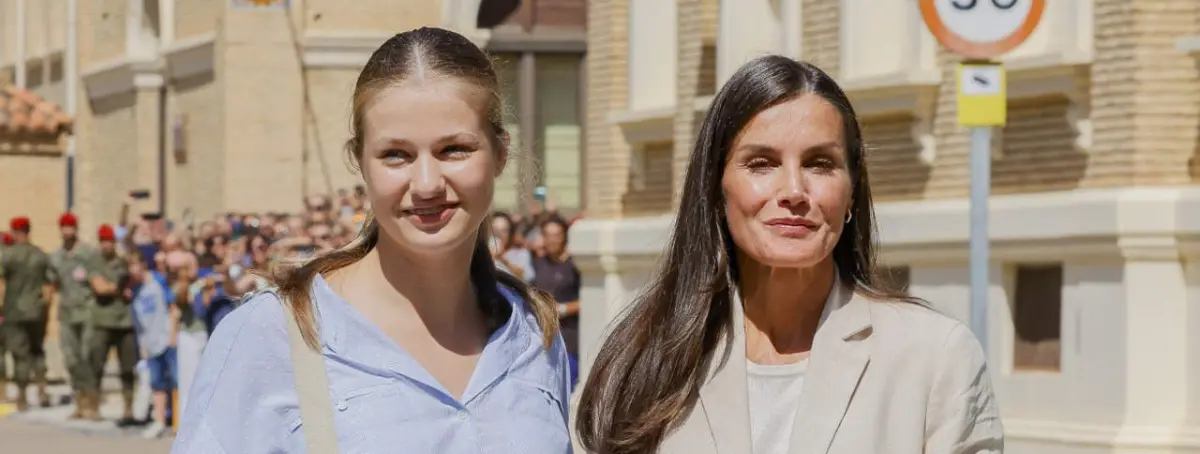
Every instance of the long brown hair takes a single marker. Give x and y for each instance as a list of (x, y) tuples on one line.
[(429, 51), (648, 373)]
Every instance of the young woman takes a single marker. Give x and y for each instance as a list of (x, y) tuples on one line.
[(408, 339), (765, 329)]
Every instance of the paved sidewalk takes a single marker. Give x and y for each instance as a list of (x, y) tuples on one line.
[(22, 437), (58, 415)]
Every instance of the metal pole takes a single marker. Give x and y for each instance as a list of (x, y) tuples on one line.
[(71, 68), (981, 184)]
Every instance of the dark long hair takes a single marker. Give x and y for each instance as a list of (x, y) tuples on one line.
[(437, 52), (647, 375)]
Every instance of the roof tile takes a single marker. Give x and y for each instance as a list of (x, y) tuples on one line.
[(23, 111)]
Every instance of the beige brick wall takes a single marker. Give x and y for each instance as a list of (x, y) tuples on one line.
[(197, 17), (949, 175), (197, 183), (649, 192), (25, 174), (327, 168), (822, 42), (1167, 93), (263, 114), (107, 159), (893, 155), (690, 33), (1037, 149), (389, 15), (102, 31), (607, 91)]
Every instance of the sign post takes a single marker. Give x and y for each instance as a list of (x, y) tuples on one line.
[(981, 30)]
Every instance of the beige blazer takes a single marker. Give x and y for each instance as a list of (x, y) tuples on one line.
[(883, 377)]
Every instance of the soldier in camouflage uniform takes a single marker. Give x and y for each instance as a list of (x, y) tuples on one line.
[(6, 240), (26, 273), (112, 316), (69, 266)]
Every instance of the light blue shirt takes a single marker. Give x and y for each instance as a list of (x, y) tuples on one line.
[(243, 399), (151, 317)]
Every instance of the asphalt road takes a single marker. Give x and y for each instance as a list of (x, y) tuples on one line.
[(19, 437)]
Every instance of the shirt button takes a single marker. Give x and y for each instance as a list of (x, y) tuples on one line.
[(342, 405), (462, 414)]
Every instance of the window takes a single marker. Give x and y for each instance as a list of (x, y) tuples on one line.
[(559, 128), (1037, 317)]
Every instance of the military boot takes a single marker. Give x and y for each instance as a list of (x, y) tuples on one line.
[(90, 405), (43, 396), (79, 403), (127, 396), (22, 399)]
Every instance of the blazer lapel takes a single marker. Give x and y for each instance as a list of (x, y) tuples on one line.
[(839, 356), (724, 398)]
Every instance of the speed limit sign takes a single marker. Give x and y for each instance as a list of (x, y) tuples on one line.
[(982, 29)]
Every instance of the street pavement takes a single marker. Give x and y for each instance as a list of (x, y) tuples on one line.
[(18, 436), (50, 431)]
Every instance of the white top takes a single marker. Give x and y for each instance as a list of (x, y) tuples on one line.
[(774, 393)]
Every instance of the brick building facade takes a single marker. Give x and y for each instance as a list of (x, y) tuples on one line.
[(243, 105), (1095, 225)]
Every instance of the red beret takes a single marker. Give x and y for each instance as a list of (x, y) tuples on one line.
[(21, 224), (106, 233), (8, 239), (68, 220)]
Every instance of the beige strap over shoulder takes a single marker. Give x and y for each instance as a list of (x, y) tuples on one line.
[(312, 391)]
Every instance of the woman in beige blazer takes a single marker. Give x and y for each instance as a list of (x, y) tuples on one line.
[(765, 329)]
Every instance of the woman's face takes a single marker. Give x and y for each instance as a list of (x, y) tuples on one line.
[(501, 230), (786, 183), (258, 250), (429, 164)]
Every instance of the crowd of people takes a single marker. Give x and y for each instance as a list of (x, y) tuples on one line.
[(152, 290)]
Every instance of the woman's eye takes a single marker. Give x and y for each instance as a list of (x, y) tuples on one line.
[(822, 164), (759, 164), (394, 156), (456, 150)]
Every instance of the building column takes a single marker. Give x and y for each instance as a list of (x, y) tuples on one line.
[(746, 29), (527, 108), (1156, 347), (582, 105), (71, 105), (166, 22), (22, 31), (149, 128), (791, 25)]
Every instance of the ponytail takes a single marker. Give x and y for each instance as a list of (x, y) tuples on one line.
[(295, 283), (487, 278)]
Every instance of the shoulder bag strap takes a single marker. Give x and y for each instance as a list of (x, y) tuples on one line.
[(312, 391)]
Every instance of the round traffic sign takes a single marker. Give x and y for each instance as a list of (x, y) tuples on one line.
[(981, 29)]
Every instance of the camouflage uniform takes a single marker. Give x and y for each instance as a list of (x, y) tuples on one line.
[(26, 272), (112, 317), (75, 303)]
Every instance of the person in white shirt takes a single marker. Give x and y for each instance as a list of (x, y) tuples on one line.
[(765, 329)]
